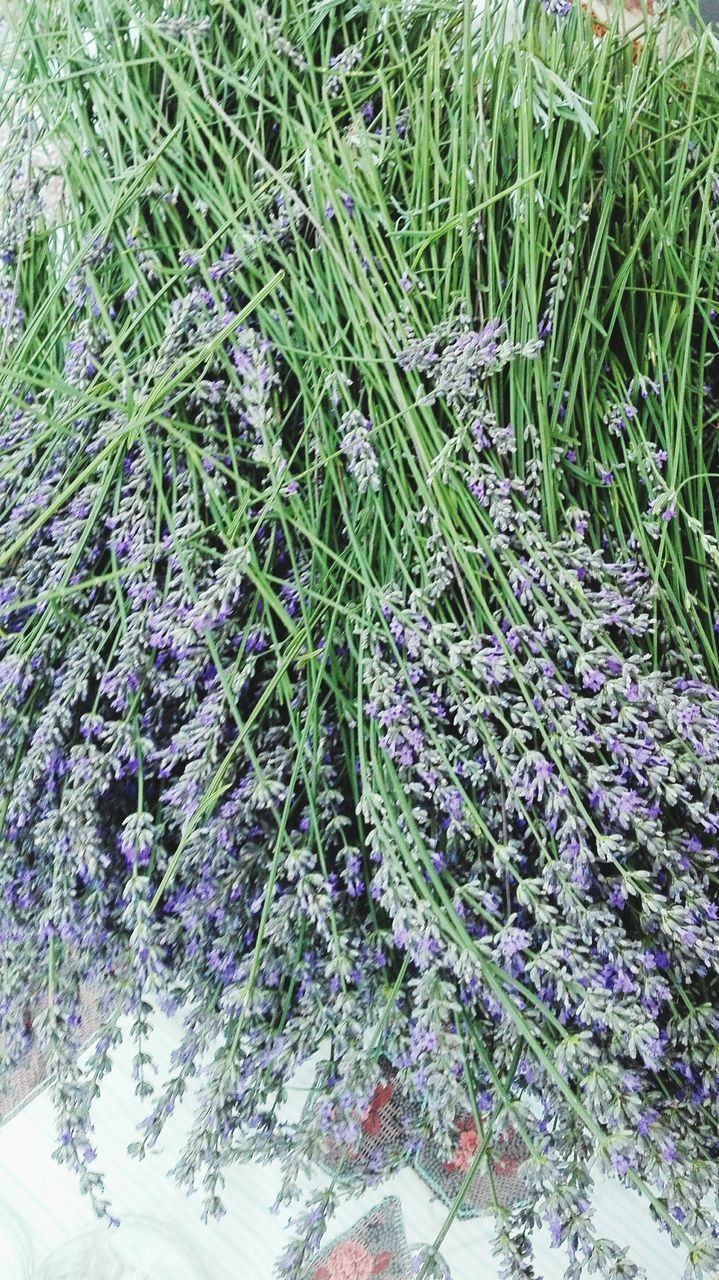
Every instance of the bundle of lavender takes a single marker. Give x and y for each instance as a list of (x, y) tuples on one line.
[(357, 627)]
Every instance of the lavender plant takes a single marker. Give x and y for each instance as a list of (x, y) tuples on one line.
[(343, 703)]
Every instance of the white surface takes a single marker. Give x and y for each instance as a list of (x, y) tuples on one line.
[(161, 1236)]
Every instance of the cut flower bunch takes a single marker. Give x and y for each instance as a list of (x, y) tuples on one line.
[(359, 612)]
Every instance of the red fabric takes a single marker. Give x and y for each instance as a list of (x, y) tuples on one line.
[(466, 1149), (350, 1260), (372, 1117)]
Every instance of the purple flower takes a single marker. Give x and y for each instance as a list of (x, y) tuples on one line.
[(557, 8), (593, 679), (616, 898)]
